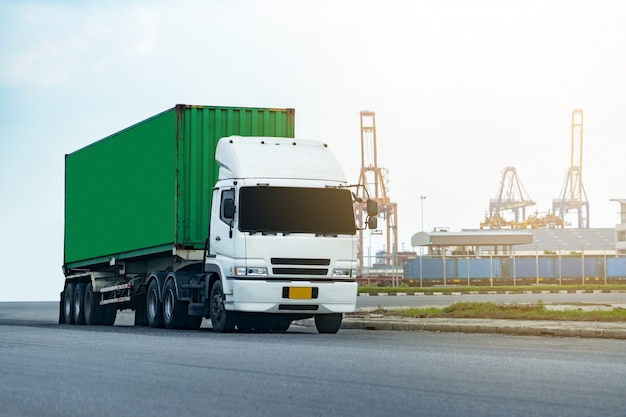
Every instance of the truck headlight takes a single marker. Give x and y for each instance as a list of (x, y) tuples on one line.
[(254, 271), (342, 273)]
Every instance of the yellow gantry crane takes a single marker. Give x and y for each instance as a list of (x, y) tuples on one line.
[(373, 185), (511, 197), (573, 195)]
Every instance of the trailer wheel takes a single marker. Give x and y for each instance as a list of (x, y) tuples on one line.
[(79, 302), (68, 303), (223, 321), (328, 323), (154, 311), (91, 307), (174, 312)]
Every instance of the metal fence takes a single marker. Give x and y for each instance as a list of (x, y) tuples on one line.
[(515, 270)]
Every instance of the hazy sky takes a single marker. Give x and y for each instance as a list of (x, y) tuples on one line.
[(461, 90)]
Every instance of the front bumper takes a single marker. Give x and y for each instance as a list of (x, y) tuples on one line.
[(266, 296)]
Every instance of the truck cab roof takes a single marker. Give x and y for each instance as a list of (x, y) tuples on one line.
[(269, 157)]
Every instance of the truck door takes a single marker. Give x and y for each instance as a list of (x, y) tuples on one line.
[(222, 230)]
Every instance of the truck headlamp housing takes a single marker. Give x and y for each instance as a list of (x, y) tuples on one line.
[(254, 271), (343, 273)]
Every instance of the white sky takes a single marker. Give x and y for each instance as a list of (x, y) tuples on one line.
[(461, 90)]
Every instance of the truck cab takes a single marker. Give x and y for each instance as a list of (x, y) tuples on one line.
[(282, 238)]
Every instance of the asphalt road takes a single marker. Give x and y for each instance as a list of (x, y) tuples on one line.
[(48, 369)]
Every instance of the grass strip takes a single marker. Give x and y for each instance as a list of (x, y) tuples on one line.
[(491, 310)]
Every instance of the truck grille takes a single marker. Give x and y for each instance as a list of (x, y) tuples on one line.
[(295, 266), (299, 271)]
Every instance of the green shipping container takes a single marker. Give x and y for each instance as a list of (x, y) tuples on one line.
[(147, 188)]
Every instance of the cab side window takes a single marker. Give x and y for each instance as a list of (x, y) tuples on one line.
[(227, 205)]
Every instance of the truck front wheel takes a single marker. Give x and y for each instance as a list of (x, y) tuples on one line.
[(154, 311), (328, 323), (223, 321), (79, 301)]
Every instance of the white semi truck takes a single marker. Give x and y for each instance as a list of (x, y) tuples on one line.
[(169, 220)]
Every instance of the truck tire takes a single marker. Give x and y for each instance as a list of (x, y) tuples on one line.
[(154, 310), (68, 303), (223, 321), (91, 307), (79, 302), (174, 311), (328, 323)]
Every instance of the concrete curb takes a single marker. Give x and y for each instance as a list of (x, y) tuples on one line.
[(600, 330)]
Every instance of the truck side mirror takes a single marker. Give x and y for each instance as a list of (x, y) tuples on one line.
[(229, 208), (372, 209), (372, 222)]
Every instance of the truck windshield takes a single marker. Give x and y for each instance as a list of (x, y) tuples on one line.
[(296, 210)]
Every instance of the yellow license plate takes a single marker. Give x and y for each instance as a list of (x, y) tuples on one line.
[(303, 293)]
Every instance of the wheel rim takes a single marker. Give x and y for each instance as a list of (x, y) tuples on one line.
[(168, 305), (217, 306), (67, 304), (77, 307), (87, 305), (152, 304)]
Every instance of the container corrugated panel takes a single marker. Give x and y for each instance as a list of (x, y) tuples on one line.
[(616, 267), (524, 268), (147, 188), (483, 268), (571, 267), (547, 268), (412, 268), (451, 268), (432, 268), (533, 267), (480, 268), (591, 267)]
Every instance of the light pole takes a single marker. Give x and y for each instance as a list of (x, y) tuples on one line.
[(375, 232), (422, 198)]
